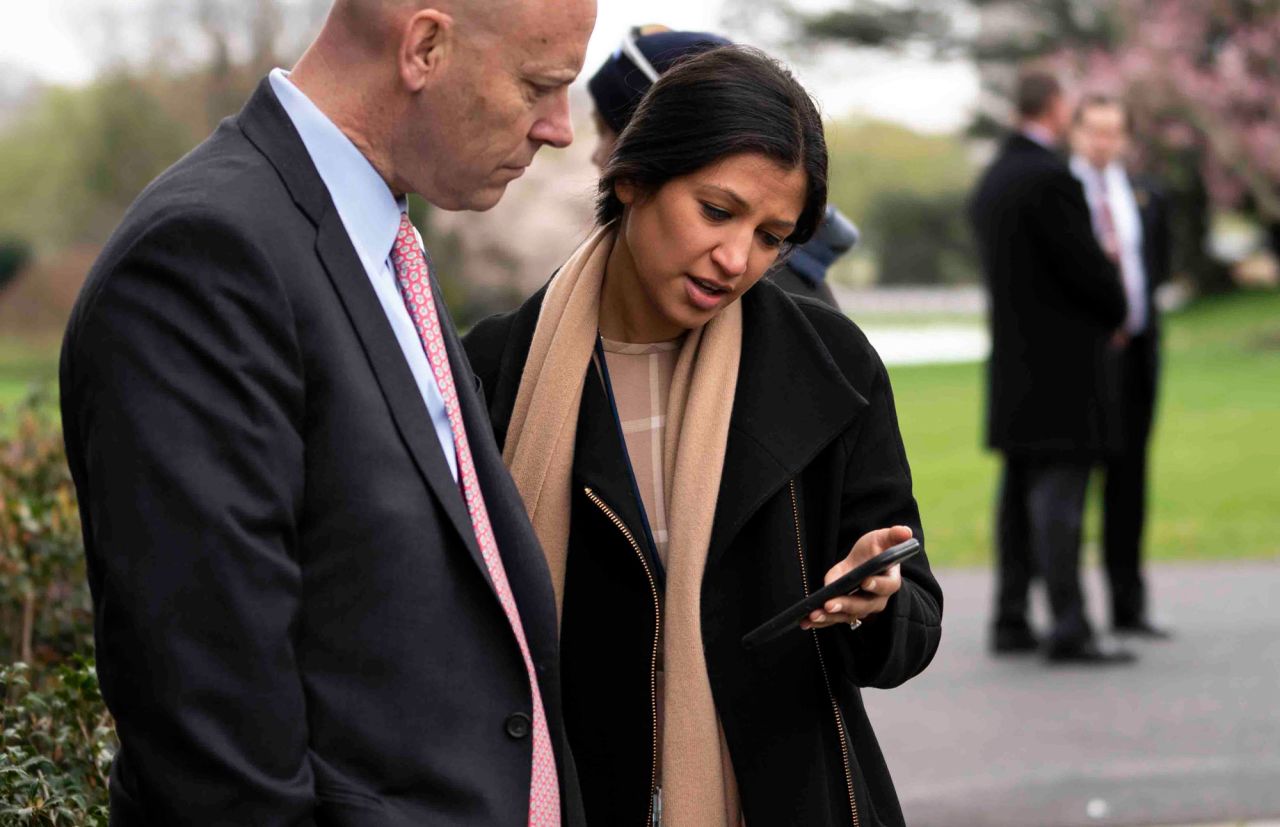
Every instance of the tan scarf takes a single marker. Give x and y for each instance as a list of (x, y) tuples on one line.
[(698, 783)]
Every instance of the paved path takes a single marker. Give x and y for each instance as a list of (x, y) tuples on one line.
[(1189, 735)]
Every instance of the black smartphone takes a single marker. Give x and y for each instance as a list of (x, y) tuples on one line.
[(849, 584)]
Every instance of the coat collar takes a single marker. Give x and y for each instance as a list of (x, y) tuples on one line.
[(266, 124), (792, 401), (1018, 142)]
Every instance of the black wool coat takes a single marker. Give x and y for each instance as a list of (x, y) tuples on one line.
[(1055, 300), (814, 461)]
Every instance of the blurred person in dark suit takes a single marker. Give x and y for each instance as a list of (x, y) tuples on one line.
[(1130, 221), (318, 599), (617, 87), (1055, 302)]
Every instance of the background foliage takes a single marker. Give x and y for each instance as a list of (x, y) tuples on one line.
[(56, 737)]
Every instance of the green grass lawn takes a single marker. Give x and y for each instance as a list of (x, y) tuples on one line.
[(1215, 470), (25, 366)]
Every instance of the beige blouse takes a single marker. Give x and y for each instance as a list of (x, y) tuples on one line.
[(641, 378)]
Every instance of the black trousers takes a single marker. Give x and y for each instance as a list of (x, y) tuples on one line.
[(1125, 492), (1041, 513)]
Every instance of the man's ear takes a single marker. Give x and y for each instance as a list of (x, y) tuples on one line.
[(426, 42)]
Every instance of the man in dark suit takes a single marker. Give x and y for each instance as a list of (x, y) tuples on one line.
[(1055, 302), (318, 599), (1131, 224)]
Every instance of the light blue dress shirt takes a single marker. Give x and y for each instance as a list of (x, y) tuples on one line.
[(371, 215)]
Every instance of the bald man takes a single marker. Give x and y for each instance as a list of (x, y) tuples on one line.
[(317, 597)]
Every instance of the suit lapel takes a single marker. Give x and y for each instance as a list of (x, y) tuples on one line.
[(522, 556), (265, 123), (392, 371)]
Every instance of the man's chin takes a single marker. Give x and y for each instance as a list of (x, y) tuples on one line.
[(481, 200), (486, 199)]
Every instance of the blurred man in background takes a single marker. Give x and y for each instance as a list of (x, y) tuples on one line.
[(617, 88), (317, 595), (1131, 224), (1055, 302)]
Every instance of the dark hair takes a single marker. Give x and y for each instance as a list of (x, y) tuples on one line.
[(1101, 100), (728, 101), (1036, 91)]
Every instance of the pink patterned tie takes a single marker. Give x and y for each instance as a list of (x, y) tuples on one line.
[(415, 286), (1106, 220)]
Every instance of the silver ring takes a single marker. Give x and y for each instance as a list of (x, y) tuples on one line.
[(855, 623)]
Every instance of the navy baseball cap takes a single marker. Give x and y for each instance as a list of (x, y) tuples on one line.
[(645, 54)]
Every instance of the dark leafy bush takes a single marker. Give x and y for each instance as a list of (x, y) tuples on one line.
[(921, 239), (56, 737), (56, 747), (45, 610), (14, 255)]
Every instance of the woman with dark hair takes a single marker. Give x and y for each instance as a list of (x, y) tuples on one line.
[(616, 90), (697, 452)]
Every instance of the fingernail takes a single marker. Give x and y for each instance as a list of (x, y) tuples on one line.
[(868, 585), (821, 617)]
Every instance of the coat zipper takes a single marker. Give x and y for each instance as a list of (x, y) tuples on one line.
[(653, 657), (826, 678)]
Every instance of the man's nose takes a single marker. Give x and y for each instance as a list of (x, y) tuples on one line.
[(555, 127)]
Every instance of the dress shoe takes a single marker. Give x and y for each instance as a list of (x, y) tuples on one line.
[(1142, 629), (1013, 640), (1088, 653)]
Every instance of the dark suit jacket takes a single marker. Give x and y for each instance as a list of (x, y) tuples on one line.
[(1157, 246), (294, 623), (1055, 299), (1157, 240)]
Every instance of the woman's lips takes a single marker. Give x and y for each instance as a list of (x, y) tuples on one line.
[(705, 295)]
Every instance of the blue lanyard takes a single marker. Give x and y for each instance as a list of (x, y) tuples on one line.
[(651, 547)]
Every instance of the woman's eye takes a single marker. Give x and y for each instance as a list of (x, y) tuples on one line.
[(715, 213), (771, 241)]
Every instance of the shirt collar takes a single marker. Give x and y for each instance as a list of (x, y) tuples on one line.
[(1040, 135), (1087, 172), (365, 203)]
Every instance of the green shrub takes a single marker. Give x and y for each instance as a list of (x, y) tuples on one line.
[(921, 238), (56, 737), (56, 747), (14, 255), (45, 608)]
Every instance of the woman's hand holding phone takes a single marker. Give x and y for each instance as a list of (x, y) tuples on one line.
[(875, 591)]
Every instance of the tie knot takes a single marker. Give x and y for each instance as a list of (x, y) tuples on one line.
[(406, 254)]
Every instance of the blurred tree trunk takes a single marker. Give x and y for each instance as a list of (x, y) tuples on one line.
[(1190, 218)]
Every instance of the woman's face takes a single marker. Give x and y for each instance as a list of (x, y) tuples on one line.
[(605, 140), (702, 240)]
